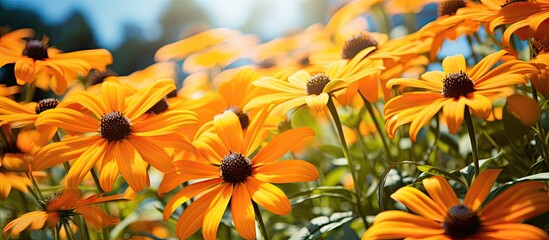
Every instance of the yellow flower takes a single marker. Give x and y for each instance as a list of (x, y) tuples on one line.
[(442, 216), (232, 174), (313, 90), (49, 67), (63, 207), (452, 90), (115, 137)]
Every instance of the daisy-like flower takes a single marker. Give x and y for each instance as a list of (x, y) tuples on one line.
[(47, 66), (232, 174), (313, 90), (114, 135), (452, 90), (61, 209), (442, 216)]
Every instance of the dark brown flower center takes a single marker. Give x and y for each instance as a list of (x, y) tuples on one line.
[(356, 44), (316, 84), (235, 168), (36, 50), (45, 104), (242, 116), (508, 2), (450, 7), (159, 107), (115, 126), (267, 63), (172, 94), (539, 46), (456, 85), (461, 222), (97, 77), (304, 61)]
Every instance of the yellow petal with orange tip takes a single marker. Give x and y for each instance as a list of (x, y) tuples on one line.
[(287, 171), (268, 196), (480, 188), (393, 224), (419, 203), (181, 49), (188, 193), (524, 108), (35, 220), (152, 152), (243, 212)]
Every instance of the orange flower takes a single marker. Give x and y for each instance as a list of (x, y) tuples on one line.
[(452, 90), (48, 66), (61, 208), (232, 174), (115, 136), (442, 216)]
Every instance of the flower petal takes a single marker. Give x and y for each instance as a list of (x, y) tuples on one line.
[(132, 166), (397, 224), (152, 153), (68, 119), (243, 212), (441, 192), (148, 98), (188, 193), (58, 152), (268, 196), (185, 171), (281, 144), (228, 128), (165, 123), (480, 188), (454, 64), (35, 220), (317, 103), (287, 171), (511, 231), (113, 95), (420, 203), (191, 220), (216, 210), (85, 162)]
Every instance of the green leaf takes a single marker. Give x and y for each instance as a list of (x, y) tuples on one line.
[(383, 178), (332, 150), (323, 224), (439, 172), (469, 171), (323, 191)]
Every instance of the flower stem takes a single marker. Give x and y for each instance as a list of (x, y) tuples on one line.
[(28, 92), (347, 155), (96, 181), (260, 221), (378, 128), (68, 230), (472, 137)]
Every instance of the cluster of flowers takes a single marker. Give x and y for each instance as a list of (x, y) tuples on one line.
[(222, 134)]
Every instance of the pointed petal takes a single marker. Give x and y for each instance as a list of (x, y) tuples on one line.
[(68, 119), (132, 166), (454, 112), (281, 144), (152, 153), (148, 98), (397, 224), (165, 123), (420, 203), (109, 172), (511, 231), (191, 220), (287, 171), (441, 192), (216, 210), (243, 212), (185, 171), (227, 126), (480, 188), (35, 220), (255, 133), (96, 218), (268, 196), (58, 152), (317, 103), (113, 95), (188, 193), (85, 162), (87, 100)]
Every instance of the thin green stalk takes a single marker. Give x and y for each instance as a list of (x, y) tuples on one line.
[(56, 231), (260, 221), (473, 54), (96, 181), (28, 92), (378, 128), (472, 137), (37, 189), (542, 134), (347, 155), (66, 165), (411, 25), (68, 230)]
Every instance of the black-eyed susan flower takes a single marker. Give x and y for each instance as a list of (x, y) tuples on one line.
[(61, 208), (231, 173), (50, 68), (442, 216), (113, 134), (451, 90), (314, 90)]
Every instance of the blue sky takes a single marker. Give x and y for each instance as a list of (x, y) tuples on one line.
[(107, 17)]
